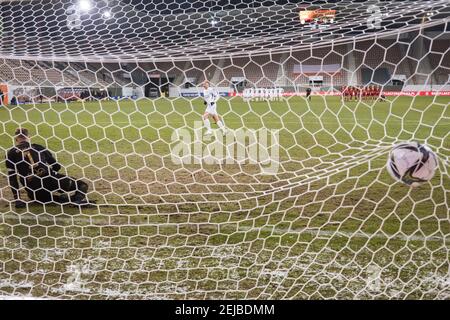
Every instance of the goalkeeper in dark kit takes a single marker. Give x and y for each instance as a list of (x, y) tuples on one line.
[(37, 171), (308, 94)]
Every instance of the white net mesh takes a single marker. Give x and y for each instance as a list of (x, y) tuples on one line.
[(294, 202)]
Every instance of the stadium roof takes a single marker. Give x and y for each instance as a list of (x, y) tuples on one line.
[(141, 30)]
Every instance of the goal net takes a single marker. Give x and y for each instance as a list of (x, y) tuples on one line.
[(292, 201)]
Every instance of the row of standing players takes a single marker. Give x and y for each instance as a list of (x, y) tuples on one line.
[(348, 93), (262, 94), (361, 93)]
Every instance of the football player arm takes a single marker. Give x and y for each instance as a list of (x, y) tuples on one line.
[(51, 161), (216, 96), (12, 178), (13, 182)]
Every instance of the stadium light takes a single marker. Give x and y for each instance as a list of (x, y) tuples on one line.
[(214, 22), (107, 14), (85, 5)]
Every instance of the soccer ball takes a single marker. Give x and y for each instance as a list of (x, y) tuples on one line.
[(412, 163)]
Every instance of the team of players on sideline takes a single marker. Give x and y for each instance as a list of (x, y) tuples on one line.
[(349, 93), (259, 94), (362, 93)]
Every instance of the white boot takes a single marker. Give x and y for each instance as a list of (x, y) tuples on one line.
[(207, 126), (222, 127)]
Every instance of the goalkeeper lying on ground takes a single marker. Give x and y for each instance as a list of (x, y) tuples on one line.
[(36, 169)]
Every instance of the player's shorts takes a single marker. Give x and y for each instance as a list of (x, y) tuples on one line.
[(211, 109)]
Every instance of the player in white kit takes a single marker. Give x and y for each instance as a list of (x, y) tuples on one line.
[(266, 94), (211, 96), (245, 95), (252, 94), (260, 94), (280, 93), (272, 94)]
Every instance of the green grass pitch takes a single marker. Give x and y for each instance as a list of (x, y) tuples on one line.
[(330, 224)]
